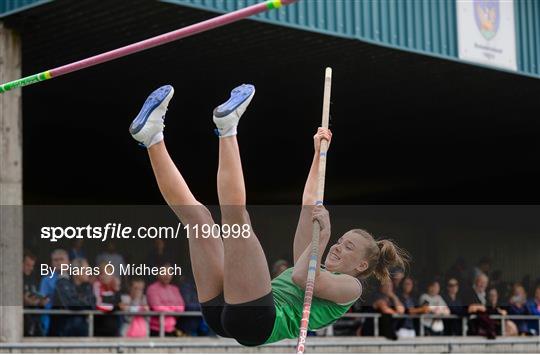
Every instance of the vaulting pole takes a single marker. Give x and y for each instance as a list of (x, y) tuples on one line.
[(312, 269), (148, 43)]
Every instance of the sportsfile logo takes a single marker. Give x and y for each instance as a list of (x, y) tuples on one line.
[(120, 231), (109, 231)]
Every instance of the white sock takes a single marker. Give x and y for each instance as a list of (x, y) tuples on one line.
[(158, 137), (231, 131)]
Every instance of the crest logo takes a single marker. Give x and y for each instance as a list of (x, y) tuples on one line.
[(487, 15)]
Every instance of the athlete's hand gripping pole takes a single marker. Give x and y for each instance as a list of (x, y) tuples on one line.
[(312, 269)]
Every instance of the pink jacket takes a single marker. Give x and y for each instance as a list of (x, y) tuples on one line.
[(164, 298)]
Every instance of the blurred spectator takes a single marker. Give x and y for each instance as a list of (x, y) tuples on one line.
[(31, 297), (47, 285), (453, 327), (494, 308), (476, 301), (135, 301), (110, 255), (408, 299), (526, 283), (484, 267), (348, 326), (108, 299), (76, 251), (72, 293), (518, 306), (437, 306), (536, 283), (164, 297), (397, 275), (159, 255), (503, 288), (191, 326), (533, 307), (278, 267), (388, 304), (458, 271), (477, 297)]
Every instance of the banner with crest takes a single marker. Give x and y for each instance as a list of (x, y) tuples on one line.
[(486, 32)]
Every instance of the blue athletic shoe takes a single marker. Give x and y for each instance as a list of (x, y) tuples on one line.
[(147, 127), (227, 115)]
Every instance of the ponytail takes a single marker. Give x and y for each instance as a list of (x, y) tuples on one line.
[(390, 256), (381, 256)]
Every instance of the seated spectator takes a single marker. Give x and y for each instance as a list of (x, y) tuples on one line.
[(349, 326), (278, 267), (31, 297), (476, 301), (525, 282), (494, 308), (110, 255), (453, 327), (533, 307), (77, 251), (108, 299), (503, 288), (537, 283), (135, 301), (47, 286), (388, 304), (484, 267), (397, 275), (437, 306), (458, 271), (408, 299), (164, 297), (191, 326), (159, 254), (518, 306), (72, 293)]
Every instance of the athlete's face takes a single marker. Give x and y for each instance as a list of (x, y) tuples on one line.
[(347, 255)]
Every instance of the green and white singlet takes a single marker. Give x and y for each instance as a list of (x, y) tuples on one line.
[(289, 303)]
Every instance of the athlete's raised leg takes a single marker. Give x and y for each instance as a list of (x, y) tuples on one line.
[(241, 254), (207, 254)]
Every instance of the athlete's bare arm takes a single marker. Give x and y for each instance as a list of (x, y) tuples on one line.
[(340, 288), (304, 230)]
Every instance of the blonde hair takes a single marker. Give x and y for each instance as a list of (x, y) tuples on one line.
[(381, 256)]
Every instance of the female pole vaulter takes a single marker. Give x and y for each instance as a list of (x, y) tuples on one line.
[(238, 298)]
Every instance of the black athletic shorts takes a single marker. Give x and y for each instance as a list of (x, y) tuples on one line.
[(250, 323)]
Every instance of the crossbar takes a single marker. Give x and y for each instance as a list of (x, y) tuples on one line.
[(147, 44)]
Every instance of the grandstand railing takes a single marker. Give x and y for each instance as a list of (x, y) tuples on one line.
[(91, 314), (464, 320)]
